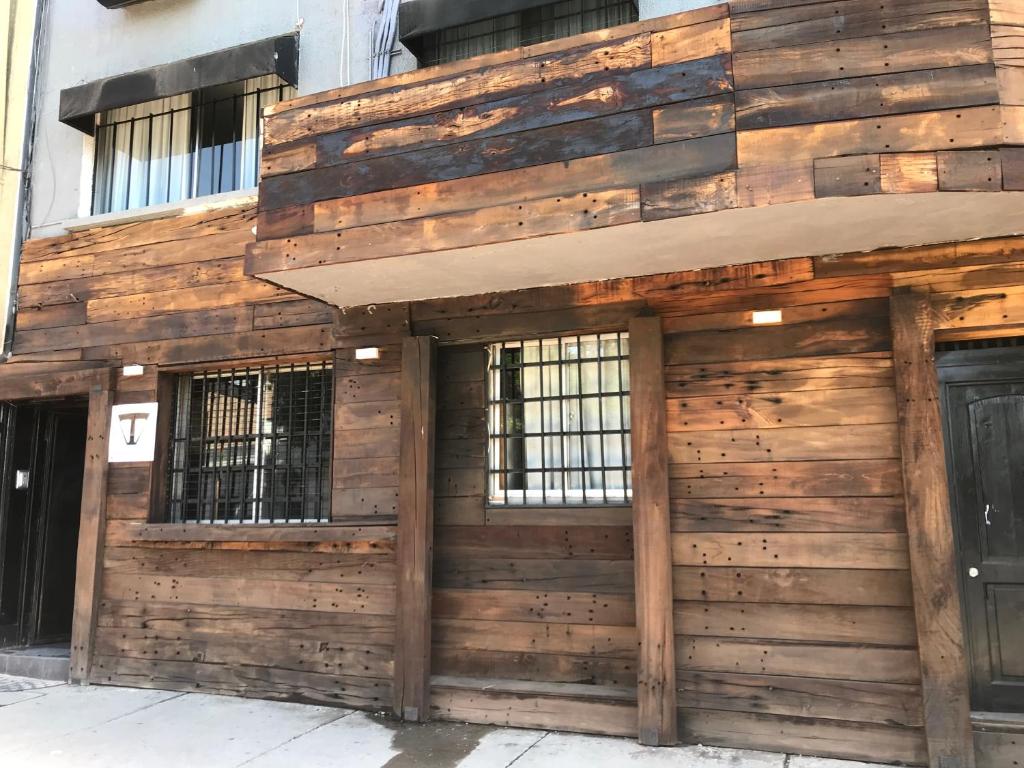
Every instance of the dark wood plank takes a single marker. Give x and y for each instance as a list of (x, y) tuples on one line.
[(656, 699), (415, 528), (91, 536), (945, 683), (850, 741)]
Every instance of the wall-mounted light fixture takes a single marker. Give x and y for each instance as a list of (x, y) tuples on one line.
[(368, 353), (767, 317), (133, 370)]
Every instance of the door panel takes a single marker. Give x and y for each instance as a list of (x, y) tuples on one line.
[(54, 600), (39, 523), (985, 449)]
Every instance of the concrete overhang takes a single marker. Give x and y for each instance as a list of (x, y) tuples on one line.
[(741, 235)]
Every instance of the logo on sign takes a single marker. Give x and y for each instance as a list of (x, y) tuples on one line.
[(132, 433)]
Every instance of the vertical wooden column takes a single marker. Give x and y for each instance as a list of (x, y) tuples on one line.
[(944, 677), (91, 533), (656, 689), (415, 528)]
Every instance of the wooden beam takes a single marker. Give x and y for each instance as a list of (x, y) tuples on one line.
[(415, 528), (933, 563), (656, 690), (91, 534)]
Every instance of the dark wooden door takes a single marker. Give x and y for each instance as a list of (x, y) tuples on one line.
[(984, 405), (39, 521)]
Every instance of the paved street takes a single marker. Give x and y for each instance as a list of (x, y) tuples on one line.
[(48, 725)]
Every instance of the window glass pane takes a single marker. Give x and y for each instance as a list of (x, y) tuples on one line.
[(558, 421), (535, 25), (252, 445), (182, 147)]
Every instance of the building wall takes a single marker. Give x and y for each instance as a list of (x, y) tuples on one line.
[(525, 599), (310, 618), (792, 614), (16, 51), (87, 42)]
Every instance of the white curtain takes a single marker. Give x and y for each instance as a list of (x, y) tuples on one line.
[(143, 154), (146, 153), (559, 420), (260, 92)]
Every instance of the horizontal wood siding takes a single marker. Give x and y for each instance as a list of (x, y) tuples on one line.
[(792, 582), (536, 606), (740, 105), (298, 613)]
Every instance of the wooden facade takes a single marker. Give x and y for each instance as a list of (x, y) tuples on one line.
[(782, 578), (783, 116)]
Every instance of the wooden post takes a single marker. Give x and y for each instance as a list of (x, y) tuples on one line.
[(415, 528), (656, 673), (91, 533), (944, 678)]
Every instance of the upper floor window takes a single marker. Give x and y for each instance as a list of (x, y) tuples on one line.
[(559, 423), (534, 25), (252, 445), (181, 147)]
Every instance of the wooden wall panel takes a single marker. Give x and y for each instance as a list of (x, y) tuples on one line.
[(174, 609), (535, 605), (746, 104), (792, 577)]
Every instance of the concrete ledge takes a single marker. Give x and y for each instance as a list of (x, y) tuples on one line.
[(38, 666)]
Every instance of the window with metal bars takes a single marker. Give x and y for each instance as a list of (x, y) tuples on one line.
[(535, 25), (183, 146), (559, 422), (252, 445)]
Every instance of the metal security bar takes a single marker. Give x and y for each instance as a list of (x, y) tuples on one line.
[(536, 25), (252, 445), (559, 421), (182, 147)]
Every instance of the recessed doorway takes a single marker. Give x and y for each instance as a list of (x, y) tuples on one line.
[(982, 387), (42, 458)]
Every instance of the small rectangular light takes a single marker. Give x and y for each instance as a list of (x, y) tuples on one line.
[(133, 370), (368, 353), (767, 316)]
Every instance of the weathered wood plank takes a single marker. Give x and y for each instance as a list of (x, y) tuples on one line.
[(830, 662), (524, 605), (945, 684), (872, 625), (745, 730), (874, 95), (867, 441), (783, 409), (877, 551), (810, 479), (821, 586), (415, 528), (89, 564), (522, 710), (656, 701), (840, 700), (829, 60), (807, 514)]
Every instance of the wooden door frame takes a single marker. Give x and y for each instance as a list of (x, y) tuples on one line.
[(945, 677), (98, 386)]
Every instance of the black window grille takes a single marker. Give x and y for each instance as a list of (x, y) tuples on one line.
[(535, 25), (559, 421), (252, 445), (182, 147)]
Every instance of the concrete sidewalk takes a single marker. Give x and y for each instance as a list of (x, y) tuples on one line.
[(52, 725)]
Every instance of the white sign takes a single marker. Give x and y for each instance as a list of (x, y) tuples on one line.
[(132, 433)]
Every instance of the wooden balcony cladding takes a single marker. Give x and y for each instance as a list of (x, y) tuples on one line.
[(736, 106)]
